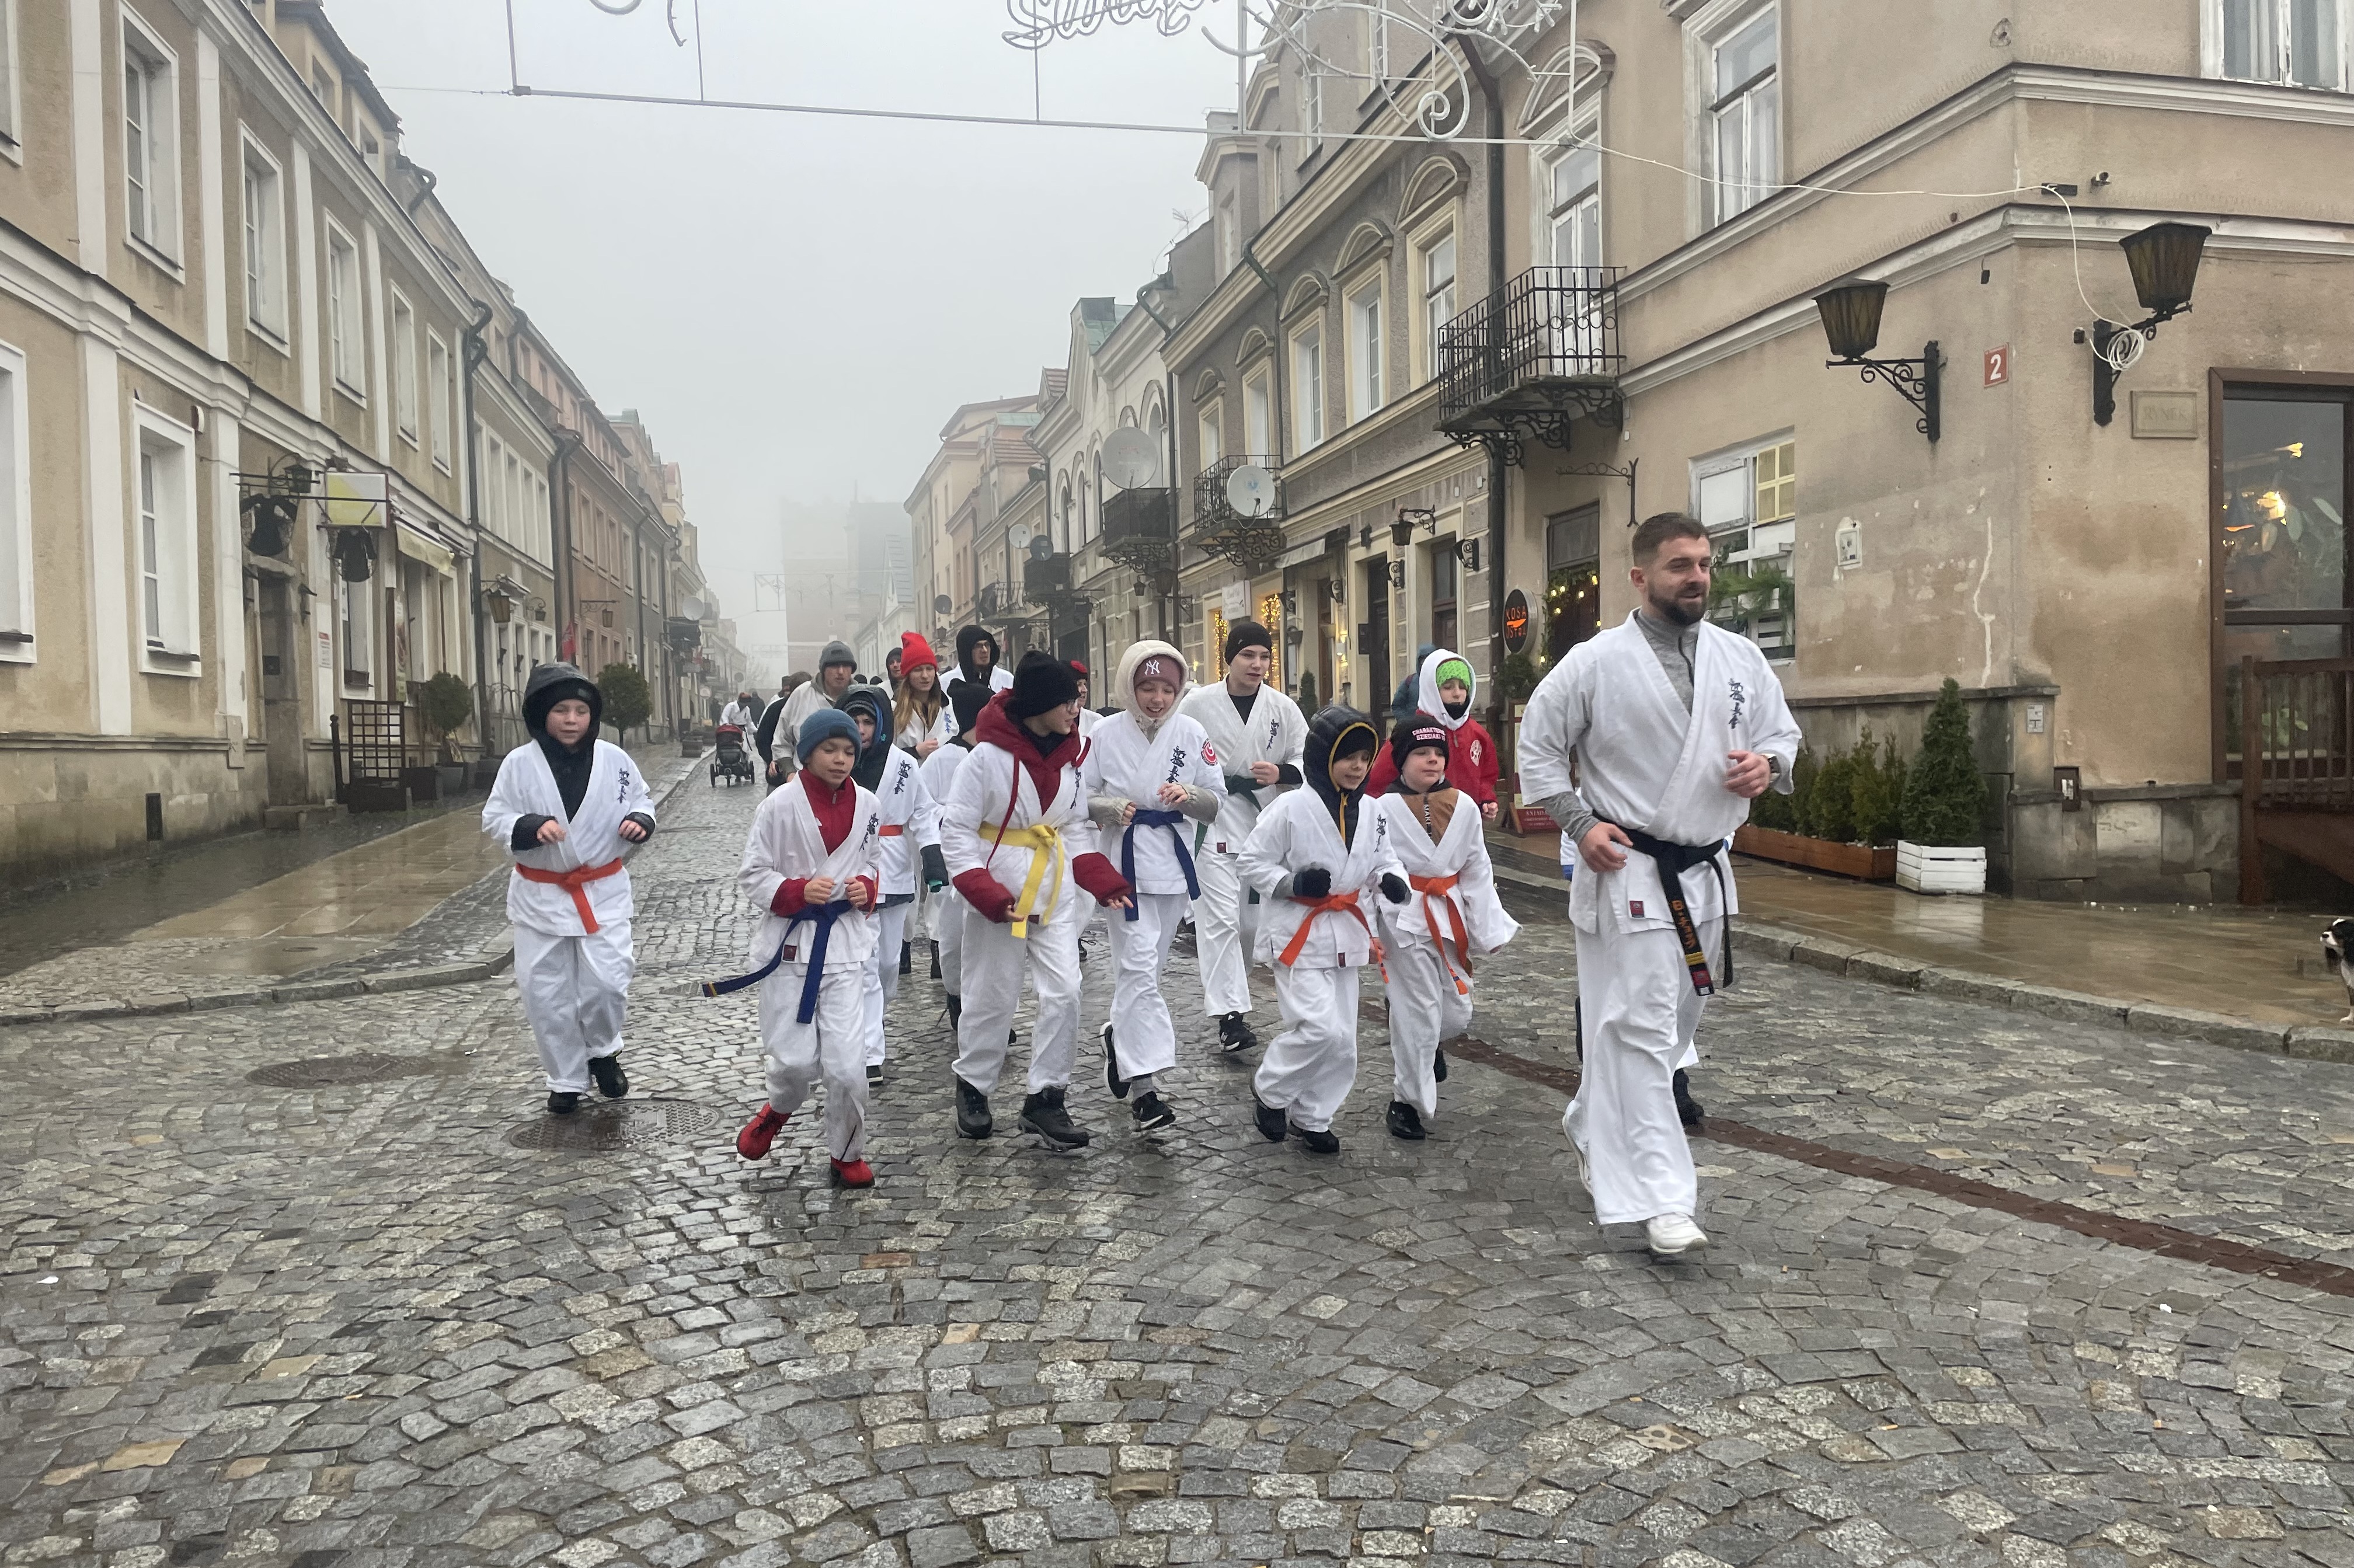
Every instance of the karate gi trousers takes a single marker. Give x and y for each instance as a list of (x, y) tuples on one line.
[(1142, 1033), (1225, 922), (831, 1047), (1640, 1015), (1425, 1012), (575, 991), (993, 961), (1308, 1069), (948, 930), (881, 986)]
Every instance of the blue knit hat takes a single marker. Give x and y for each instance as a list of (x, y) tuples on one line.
[(822, 725)]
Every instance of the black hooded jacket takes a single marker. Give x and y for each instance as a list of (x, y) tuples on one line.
[(967, 639), (875, 703), (1333, 733), (550, 684)]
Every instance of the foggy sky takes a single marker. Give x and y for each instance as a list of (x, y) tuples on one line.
[(795, 304)]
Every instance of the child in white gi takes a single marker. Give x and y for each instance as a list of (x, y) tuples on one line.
[(568, 806), (905, 811), (1151, 776), (1434, 829), (1015, 833), (944, 903), (1314, 857), (810, 867)]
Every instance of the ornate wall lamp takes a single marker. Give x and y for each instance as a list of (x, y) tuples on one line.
[(2164, 259), (1851, 313)]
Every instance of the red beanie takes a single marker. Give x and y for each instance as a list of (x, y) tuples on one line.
[(915, 652)]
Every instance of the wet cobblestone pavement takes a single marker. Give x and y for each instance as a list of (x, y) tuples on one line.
[(352, 1324)]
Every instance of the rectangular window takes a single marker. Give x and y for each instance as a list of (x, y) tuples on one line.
[(1445, 578), (1575, 208), (1312, 106), (2300, 43), (16, 514), (440, 396), (1437, 299), (404, 369), (1258, 424), (1365, 354), (151, 111), (1745, 117), (1749, 501), (1211, 436), (359, 662), (345, 356), (265, 244), (164, 492), (1229, 236), (1307, 384)]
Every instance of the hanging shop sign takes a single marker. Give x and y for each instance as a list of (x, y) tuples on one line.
[(1516, 621)]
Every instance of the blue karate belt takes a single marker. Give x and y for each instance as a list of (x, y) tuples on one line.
[(824, 915), (1173, 821)]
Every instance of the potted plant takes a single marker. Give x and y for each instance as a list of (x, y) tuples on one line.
[(1943, 849), (1516, 682), (1840, 816), (447, 703), (628, 702)]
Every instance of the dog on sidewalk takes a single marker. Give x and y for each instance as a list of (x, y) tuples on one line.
[(2337, 946)]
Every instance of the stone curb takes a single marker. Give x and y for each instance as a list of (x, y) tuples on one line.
[(495, 962), (2310, 1042)]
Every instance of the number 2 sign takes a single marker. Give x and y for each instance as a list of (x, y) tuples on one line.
[(1998, 365)]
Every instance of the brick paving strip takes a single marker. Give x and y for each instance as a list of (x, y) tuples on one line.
[(2143, 1236)]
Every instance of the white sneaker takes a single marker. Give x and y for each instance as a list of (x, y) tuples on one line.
[(1673, 1235), (1585, 1172)]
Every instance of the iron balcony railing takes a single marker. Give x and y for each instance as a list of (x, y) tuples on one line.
[(1219, 529), (1550, 326), (1140, 528)]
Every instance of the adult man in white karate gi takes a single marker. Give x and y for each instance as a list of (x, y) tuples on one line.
[(1675, 726)]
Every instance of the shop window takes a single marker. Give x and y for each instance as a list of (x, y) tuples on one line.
[(1573, 579), (2281, 531)]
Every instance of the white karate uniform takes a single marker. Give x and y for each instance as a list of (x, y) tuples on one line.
[(915, 731), (1649, 766), (1430, 987), (785, 844), (943, 917), (1310, 1066), (908, 821), (1223, 917), (575, 980), (1125, 763), (993, 789), (734, 714)]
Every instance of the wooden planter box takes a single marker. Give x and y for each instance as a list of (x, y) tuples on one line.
[(1931, 868), (1858, 860)]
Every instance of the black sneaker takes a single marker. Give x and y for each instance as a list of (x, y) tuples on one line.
[(1042, 1115), (1152, 1111), (1405, 1121), (562, 1102), (1686, 1109), (1112, 1080), (936, 960), (907, 958), (875, 1072), (1272, 1123), (612, 1082), (973, 1120), (1235, 1035), (1316, 1142), (1438, 1068)]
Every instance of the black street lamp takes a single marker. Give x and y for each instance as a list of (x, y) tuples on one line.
[(1851, 313), (2164, 259)]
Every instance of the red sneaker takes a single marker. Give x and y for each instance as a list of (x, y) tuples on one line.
[(753, 1142), (854, 1174)]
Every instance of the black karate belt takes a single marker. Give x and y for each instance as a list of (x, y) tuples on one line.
[(1673, 861), (824, 915), (1173, 821)]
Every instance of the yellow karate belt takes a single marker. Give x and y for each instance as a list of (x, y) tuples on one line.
[(1047, 858)]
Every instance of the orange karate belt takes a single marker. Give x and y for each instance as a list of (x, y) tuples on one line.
[(1335, 904), (575, 882), (1434, 891), (891, 831)]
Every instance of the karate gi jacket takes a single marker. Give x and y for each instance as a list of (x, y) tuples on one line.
[(995, 787), (1460, 853), (1295, 832), (786, 844), (526, 786), (903, 803), (1277, 733)]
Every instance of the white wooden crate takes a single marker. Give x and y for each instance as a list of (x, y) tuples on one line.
[(1932, 868)]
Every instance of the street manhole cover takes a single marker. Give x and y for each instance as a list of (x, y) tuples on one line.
[(317, 1072), (608, 1125)]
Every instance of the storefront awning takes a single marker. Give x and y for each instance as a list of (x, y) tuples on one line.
[(417, 548), (1300, 555)]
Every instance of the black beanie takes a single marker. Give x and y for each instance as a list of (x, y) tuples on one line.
[(1248, 634), (1419, 732), (1040, 682), (967, 701)]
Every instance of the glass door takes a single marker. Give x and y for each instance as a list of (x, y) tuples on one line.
[(2281, 536)]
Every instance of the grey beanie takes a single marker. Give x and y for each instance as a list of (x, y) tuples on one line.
[(837, 653)]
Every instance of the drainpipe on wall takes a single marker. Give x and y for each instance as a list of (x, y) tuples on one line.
[(1499, 471), (560, 468), (472, 350), (1169, 402)]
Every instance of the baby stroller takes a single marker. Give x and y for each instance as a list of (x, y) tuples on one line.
[(731, 761)]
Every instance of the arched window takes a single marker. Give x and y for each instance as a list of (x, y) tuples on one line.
[(1065, 518)]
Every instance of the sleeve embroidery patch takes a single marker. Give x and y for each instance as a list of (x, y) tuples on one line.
[(1209, 753), (1635, 908)]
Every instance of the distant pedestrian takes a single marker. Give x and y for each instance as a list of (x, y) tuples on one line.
[(764, 731), (893, 668), (919, 711), (1444, 688), (978, 660), (837, 664), (943, 905), (1408, 695), (569, 807)]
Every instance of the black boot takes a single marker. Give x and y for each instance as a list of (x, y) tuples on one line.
[(612, 1082), (936, 960), (1235, 1035), (973, 1120), (907, 958), (1316, 1142), (1686, 1109), (1272, 1124), (1438, 1068), (1043, 1114), (1405, 1121), (1112, 1080), (562, 1102)]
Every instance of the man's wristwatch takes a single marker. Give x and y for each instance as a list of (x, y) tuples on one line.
[(1773, 767)]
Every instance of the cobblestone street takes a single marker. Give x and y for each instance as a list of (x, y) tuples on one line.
[(379, 1322)]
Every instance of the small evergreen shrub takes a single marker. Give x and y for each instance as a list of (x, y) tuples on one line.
[(1945, 797)]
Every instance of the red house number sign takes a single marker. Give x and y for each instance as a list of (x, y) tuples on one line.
[(1998, 365)]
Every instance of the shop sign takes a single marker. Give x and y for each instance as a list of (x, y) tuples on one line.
[(1516, 621)]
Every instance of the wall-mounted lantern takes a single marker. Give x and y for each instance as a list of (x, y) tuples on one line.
[(1850, 314), (2164, 259)]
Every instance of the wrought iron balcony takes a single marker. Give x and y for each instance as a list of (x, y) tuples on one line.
[(1527, 363), (1251, 542), (1139, 529), (1045, 578)]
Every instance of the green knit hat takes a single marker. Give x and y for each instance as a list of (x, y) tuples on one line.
[(1455, 670)]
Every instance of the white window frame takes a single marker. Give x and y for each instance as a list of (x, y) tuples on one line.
[(164, 553), (1210, 436), (346, 315), (1437, 303), (12, 94), (1757, 541), (1229, 234), (1307, 347), (17, 643), (1365, 348), (1259, 416), (2215, 45), (440, 396), (1578, 214), (151, 142), (404, 367), (1711, 30), (1311, 108), (543, 541), (262, 236)]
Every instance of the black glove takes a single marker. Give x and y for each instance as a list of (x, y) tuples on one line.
[(1394, 888), (1315, 882), (1241, 784), (936, 868)]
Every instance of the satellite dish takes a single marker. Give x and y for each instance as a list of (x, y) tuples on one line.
[(942, 604), (1250, 490), (1019, 536), (1130, 457), (1041, 547), (692, 607)]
